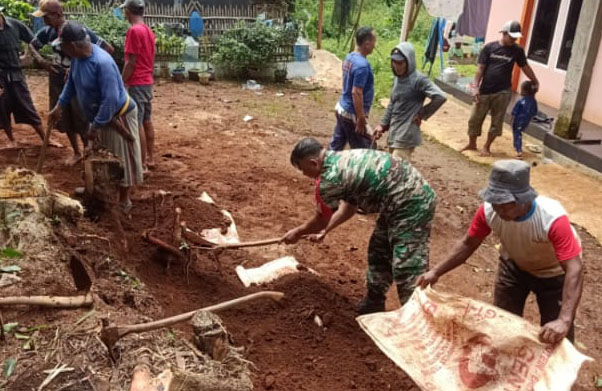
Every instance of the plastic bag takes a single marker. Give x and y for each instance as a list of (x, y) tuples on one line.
[(252, 85), (268, 271), (446, 342)]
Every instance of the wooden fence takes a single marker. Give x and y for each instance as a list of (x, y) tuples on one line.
[(216, 18)]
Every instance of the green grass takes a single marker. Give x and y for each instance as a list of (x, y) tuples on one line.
[(387, 23)]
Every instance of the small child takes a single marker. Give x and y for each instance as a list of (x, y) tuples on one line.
[(522, 113)]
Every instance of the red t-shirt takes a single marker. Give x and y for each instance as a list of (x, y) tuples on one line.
[(323, 209), (140, 41), (560, 235)]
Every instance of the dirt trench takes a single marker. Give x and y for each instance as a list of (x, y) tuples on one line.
[(204, 145)]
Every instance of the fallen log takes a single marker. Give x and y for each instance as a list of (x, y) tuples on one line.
[(110, 334), (49, 301), (141, 379)]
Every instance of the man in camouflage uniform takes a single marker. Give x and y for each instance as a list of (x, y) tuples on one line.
[(374, 181)]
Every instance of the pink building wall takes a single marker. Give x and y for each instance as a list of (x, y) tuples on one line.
[(551, 79)]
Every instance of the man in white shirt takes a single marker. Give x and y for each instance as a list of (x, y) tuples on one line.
[(540, 252)]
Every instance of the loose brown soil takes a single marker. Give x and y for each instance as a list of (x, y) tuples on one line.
[(204, 145)]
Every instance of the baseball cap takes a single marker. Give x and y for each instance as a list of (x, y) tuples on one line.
[(509, 182), (41, 11), (512, 27), (132, 4), (72, 32), (397, 56)]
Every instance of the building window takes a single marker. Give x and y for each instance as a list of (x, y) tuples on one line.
[(543, 30), (569, 34)]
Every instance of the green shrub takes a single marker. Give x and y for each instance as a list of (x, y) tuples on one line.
[(107, 26), (19, 10), (76, 4), (250, 45), (169, 46)]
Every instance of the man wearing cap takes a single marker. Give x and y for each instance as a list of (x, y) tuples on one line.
[(406, 109), (15, 98), (73, 121), (95, 81), (492, 85), (540, 250), (356, 98), (138, 73)]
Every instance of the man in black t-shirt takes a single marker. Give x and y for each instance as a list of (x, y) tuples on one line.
[(73, 122), (492, 85), (15, 99)]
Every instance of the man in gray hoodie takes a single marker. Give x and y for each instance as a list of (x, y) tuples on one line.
[(406, 110)]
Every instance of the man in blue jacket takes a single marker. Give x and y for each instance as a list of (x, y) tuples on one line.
[(95, 81)]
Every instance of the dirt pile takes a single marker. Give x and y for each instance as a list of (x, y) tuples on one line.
[(334, 356)]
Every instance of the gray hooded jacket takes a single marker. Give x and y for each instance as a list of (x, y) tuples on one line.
[(407, 99)]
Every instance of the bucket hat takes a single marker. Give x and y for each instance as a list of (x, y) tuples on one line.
[(509, 182)]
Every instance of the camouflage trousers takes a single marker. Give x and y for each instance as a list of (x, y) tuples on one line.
[(399, 249)]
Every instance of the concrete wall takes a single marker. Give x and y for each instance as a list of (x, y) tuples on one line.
[(501, 12), (551, 79)]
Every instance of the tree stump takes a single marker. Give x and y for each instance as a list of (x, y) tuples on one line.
[(210, 335)]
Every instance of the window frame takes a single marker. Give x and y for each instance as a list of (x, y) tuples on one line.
[(551, 42), (564, 31)]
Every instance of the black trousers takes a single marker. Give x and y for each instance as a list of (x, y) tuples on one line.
[(512, 286), (16, 101)]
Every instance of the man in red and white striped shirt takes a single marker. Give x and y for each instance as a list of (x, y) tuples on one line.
[(540, 250)]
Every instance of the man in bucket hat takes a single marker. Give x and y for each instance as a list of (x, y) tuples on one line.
[(540, 250)]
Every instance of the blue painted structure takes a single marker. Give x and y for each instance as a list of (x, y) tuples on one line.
[(196, 24)]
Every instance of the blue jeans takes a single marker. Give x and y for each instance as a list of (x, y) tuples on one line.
[(344, 132), (517, 135)]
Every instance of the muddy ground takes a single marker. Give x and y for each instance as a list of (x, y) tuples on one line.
[(203, 144)]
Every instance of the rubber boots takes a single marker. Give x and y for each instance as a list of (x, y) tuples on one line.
[(373, 302)]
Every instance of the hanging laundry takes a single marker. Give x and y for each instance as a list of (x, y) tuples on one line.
[(433, 42), (474, 18), (446, 9)]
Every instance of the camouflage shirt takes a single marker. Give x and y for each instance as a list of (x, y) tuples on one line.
[(373, 181)]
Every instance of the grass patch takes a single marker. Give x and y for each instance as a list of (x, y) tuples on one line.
[(385, 17)]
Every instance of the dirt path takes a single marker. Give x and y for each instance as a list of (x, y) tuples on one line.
[(328, 69), (579, 193), (204, 145)]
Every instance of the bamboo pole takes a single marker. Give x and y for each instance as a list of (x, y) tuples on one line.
[(49, 301), (356, 25), (320, 22)]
